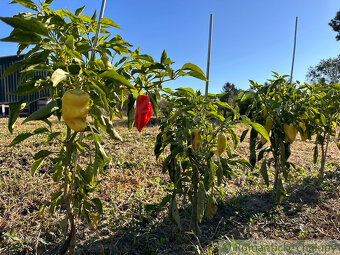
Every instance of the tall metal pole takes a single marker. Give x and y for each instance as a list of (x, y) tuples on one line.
[(101, 15), (208, 60), (336, 70), (291, 71)]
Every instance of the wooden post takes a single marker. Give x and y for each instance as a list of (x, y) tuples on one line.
[(291, 71), (208, 60)]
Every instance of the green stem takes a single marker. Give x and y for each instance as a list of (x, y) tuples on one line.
[(69, 244), (276, 167), (323, 158), (194, 202)]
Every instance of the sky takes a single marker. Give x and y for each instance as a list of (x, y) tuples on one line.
[(250, 39)]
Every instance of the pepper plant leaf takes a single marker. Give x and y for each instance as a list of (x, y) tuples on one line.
[(43, 112), (14, 111)]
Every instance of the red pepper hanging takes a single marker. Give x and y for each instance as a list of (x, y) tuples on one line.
[(143, 112)]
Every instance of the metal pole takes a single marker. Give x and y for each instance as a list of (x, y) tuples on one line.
[(291, 71), (101, 15), (208, 60), (336, 70)]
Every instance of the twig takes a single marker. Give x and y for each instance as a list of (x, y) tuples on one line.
[(222, 219)]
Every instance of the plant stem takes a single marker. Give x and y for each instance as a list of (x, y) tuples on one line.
[(194, 204), (69, 244), (276, 166), (323, 158)]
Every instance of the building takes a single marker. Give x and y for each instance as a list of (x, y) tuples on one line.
[(9, 84)]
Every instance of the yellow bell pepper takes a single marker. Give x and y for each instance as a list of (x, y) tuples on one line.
[(196, 139), (75, 108), (221, 144), (290, 132)]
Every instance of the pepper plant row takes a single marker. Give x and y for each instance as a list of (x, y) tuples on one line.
[(89, 85)]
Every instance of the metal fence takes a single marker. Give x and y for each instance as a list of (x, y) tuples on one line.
[(10, 84)]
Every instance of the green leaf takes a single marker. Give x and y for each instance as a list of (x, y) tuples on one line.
[(52, 136), (153, 100), (114, 76), (323, 119), (192, 67), (244, 162), (69, 42), (58, 76), (130, 109), (98, 204), (280, 191), (39, 57), (26, 3), (252, 143), (260, 129), (43, 112), (79, 11), (108, 22), (28, 24), (168, 90), (158, 145), (264, 172), (244, 133), (40, 130), (200, 202), (55, 195), (224, 104), (163, 57), (111, 131), (174, 213), (36, 165), (23, 37), (194, 71), (246, 97), (27, 90), (42, 154), (14, 111), (21, 137), (334, 86)]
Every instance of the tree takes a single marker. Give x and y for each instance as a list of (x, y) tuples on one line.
[(229, 95), (335, 24), (325, 72)]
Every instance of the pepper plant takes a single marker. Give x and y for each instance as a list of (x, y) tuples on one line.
[(80, 79), (324, 118), (197, 154), (283, 109)]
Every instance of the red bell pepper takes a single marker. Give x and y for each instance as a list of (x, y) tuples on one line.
[(143, 112)]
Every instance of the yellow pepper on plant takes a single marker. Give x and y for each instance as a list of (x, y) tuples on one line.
[(75, 108), (196, 139), (290, 132)]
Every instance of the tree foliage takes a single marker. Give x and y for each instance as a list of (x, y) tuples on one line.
[(325, 72), (335, 24)]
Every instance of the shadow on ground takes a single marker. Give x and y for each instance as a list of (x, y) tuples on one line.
[(156, 235)]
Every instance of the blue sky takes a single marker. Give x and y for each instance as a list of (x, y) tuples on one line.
[(250, 38)]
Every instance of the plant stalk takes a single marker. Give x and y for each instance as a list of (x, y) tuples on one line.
[(194, 202), (324, 150), (70, 242)]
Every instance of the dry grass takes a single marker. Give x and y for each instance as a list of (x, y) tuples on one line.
[(134, 179)]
